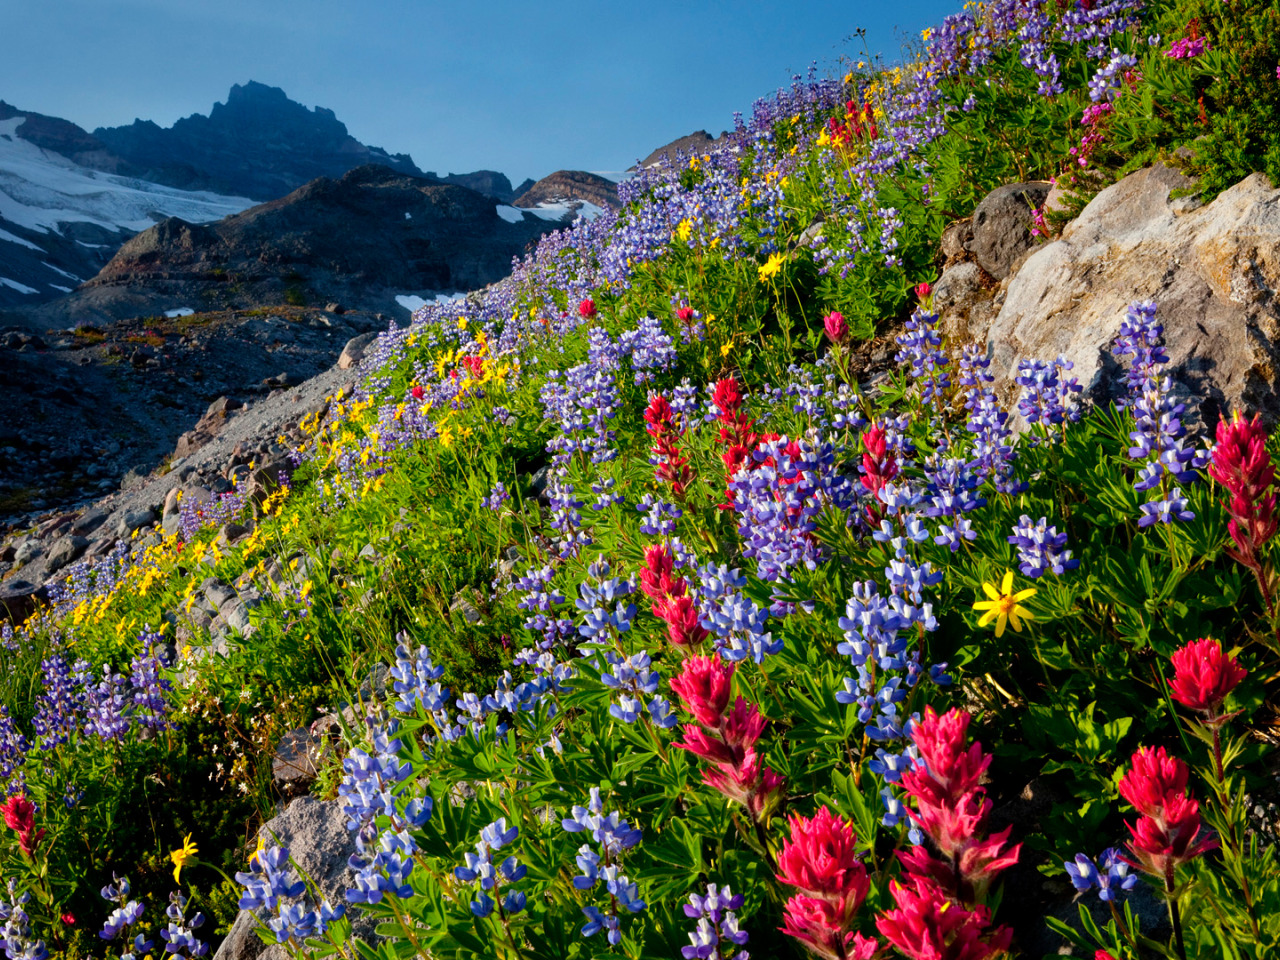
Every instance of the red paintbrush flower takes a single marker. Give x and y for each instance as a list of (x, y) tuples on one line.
[(703, 686), (587, 308), (928, 925), (1243, 466), (835, 327), (1153, 778), (1204, 675)]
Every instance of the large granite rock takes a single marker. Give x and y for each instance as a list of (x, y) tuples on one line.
[(1002, 226), (316, 834), (1213, 270)]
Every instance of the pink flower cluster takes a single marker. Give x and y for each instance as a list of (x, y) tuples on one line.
[(1204, 676), (879, 466), (1243, 466), (20, 816), (1187, 48), (939, 911), (820, 859), (670, 595), (726, 736), (1168, 832), (670, 465)]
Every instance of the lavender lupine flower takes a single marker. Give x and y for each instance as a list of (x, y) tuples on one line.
[(151, 691), (541, 601), (1111, 875), (988, 422), (106, 710), (777, 505), (717, 934), (383, 863), (13, 754), (1047, 397), (737, 622), (59, 707), (950, 495), (566, 519), (179, 936), (606, 496), (417, 680), (16, 931), (613, 835), (1159, 435), (371, 780), (490, 879), (496, 498), (921, 347), (607, 614), (637, 688), (660, 516), (1106, 82), (878, 633), (1040, 548), (127, 912), (650, 347)]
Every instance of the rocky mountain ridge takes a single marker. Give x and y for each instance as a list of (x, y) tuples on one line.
[(259, 144), (362, 239)]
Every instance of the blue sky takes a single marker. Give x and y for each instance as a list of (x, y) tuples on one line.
[(521, 87)]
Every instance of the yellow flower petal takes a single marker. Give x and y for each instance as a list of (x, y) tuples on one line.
[(1024, 594), (1007, 584), (990, 590), (1000, 626)]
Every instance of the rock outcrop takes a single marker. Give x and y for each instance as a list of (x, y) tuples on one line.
[(1213, 270), (316, 834)]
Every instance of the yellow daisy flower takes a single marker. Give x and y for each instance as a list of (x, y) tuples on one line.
[(1004, 606), (183, 856)]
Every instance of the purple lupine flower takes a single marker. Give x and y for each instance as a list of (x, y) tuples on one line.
[(607, 614), (151, 690), (921, 347), (1040, 548), (737, 622), (1106, 82), (637, 687), (1111, 875), (1159, 434), (13, 754), (106, 712), (59, 706), (1047, 397), (717, 933), (660, 516), (496, 498)]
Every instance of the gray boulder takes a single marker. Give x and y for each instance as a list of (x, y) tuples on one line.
[(316, 834), (353, 352), (64, 551), (1213, 270), (1002, 226)]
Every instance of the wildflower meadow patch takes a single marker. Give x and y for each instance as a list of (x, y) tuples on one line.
[(631, 607)]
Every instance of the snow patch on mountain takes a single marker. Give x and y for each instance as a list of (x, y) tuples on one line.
[(14, 284), (40, 190)]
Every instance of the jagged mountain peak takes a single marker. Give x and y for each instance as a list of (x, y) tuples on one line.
[(259, 143)]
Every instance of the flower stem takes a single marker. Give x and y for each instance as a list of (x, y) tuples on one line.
[(1175, 918)]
